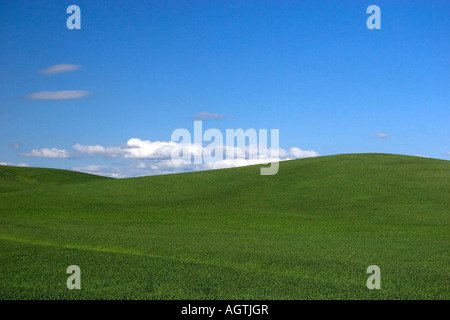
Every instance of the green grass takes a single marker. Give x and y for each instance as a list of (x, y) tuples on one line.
[(309, 232)]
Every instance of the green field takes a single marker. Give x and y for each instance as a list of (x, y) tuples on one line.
[(309, 232)]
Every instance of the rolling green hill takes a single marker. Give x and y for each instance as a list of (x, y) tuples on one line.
[(21, 178), (309, 232)]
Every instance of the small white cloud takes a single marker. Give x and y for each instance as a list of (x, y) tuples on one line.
[(48, 153), (297, 153), (90, 150), (58, 95), (448, 154), (60, 68), (106, 171), (382, 135), (14, 145), (90, 168), (208, 115), (20, 164)]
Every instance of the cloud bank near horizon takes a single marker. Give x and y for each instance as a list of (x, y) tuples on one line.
[(14, 164), (145, 157)]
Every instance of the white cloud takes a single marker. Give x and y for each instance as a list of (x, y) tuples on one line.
[(208, 115), (382, 135), (100, 170), (91, 150), (20, 164), (58, 95), (297, 153), (48, 153), (60, 68), (14, 145), (91, 168), (137, 149)]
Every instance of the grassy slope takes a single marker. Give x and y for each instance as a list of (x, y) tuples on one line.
[(308, 232), (21, 178)]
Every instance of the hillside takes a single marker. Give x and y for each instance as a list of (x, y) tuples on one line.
[(19, 178), (309, 232)]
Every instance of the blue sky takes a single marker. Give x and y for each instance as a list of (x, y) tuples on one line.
[(311, 69)]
